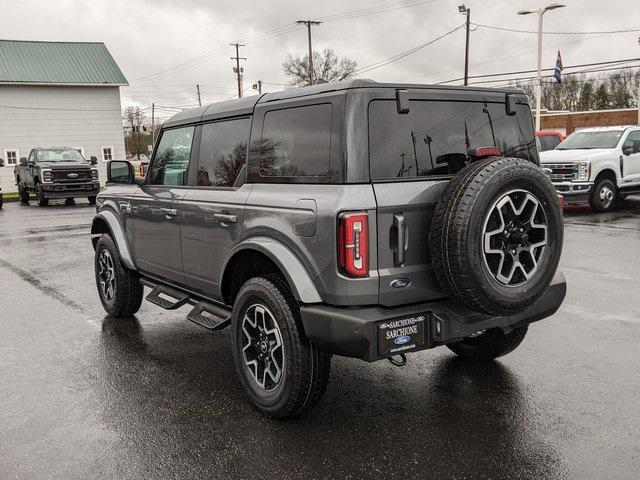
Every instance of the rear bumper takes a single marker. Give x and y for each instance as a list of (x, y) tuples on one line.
[(67, 190), (353, 332), (574, 193)]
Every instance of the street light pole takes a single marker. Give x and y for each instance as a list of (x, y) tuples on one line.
[(540, 12)]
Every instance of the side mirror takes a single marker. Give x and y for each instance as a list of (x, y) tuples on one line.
[(1, 162), (93, 160), (23, 161), (120, 171), (627, 149)]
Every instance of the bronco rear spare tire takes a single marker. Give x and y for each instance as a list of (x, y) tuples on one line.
[(496, 235)]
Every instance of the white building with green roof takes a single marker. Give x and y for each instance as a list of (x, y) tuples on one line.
[(58, 94)]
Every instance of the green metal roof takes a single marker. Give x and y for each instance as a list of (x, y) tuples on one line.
[(58, 63)]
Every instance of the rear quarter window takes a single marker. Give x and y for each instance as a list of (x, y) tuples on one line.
[(296, 143)]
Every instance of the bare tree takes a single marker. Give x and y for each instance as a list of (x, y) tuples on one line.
[(579, 92), (136, 140), (327, 66)]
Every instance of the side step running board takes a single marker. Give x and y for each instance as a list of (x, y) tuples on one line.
[(205, 314), (210, 316), (179, 298)]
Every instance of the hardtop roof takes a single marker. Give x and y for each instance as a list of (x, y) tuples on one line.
[(245, 106)]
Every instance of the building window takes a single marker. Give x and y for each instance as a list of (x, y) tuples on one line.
[(11, 157), (107, 154)]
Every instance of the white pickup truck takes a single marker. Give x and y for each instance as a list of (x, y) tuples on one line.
[(596, 166)]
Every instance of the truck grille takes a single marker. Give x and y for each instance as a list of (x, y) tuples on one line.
[(562, 172), (71, 175)]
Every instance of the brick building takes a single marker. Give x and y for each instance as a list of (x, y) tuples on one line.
[(568, 122)]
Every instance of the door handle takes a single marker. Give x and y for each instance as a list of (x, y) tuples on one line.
[(169, 212), (224, 218), (399, 223)]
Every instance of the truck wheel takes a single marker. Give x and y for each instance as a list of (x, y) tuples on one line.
[(281, 370), (604, 196), (119, 288), (42, 200), (24, 195), (92, 199), (496, 235), (489, 344)]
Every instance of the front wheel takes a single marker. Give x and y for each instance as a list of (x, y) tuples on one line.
[(604, 196), (489, 344), (119, 288), (42, 200), (282, 372), (24, 195)]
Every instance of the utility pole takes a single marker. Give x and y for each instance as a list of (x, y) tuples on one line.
[(540, 12), (309, 23), (153, 125), (238, 71), (198, 89), (258, 86), (463, 9)]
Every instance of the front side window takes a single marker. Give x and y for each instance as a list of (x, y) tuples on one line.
[(12, 157), (223, 152), (171, 162), (296, 142), (632, 142), (107, 154), (435, 137), (591, 140)]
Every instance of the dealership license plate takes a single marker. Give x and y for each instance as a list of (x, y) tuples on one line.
[(400, 335)]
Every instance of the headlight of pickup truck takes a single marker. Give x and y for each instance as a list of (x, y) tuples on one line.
[(94, 174), (47, 176), (584, 171)]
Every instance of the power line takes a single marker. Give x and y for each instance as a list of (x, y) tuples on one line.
[(506, 29), (374, 10), (406, 53), (544, 70)]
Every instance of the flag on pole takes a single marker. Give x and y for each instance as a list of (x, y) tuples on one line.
[(557, 73)]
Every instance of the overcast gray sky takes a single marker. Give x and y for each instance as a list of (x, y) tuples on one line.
[(149, 39)]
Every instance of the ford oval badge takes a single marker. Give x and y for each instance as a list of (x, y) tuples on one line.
[(400, 283), (402, 340)]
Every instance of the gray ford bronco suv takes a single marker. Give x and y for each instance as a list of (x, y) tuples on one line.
[(356, 218)]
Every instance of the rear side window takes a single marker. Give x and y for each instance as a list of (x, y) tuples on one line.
[(434, 137), (296, 142), (223, 152), (171, 162)]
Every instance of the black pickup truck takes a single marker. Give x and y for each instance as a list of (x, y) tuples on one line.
[(57, 173)]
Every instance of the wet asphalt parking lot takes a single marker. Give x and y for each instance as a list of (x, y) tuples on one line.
[(83, 396)]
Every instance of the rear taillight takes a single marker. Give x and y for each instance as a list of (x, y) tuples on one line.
[(353, 244)]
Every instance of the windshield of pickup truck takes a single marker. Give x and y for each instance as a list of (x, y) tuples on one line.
[(591, 140), (52, 156), (435, 137)]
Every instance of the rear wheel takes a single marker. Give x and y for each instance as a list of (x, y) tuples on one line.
[(119, 288), (282, 372), (604, 196), (40, 197), (496, 236), (489, 344)]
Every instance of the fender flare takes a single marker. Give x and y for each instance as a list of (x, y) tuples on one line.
[(117, 233), (298, 278)]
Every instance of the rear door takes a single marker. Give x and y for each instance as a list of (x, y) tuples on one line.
[(156, 228), (212, 211), (412, 156)]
